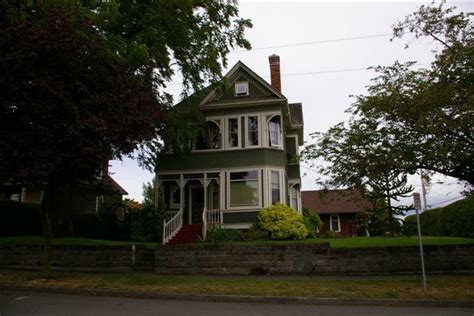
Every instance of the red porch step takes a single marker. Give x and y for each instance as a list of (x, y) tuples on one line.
[(188, 234)]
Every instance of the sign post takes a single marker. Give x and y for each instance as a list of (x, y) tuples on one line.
[(417, 205)]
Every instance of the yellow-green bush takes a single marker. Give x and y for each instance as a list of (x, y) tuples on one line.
[(282, 222)]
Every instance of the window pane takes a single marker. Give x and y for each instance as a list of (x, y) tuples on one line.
[(293, 198), (233, 132), (275, 187), (274, 131), (334, 223), (252, 122), (247, 175), (213, 136), (244, 193)]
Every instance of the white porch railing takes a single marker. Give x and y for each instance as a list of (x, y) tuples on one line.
[(171, 227), (209, 218)]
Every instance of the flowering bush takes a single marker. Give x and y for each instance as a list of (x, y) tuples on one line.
[(282, 222)]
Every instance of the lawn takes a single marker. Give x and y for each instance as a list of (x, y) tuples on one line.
[(353, 242), (447, 287)]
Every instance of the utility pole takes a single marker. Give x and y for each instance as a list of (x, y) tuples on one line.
[(423, 191)]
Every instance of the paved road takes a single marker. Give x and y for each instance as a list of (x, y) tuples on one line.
[(17, 303)]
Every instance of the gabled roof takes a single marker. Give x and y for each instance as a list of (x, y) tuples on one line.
[(335, 201), (240, 67)]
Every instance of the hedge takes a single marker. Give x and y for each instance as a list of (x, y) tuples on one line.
[(20, 219), (456, 219)]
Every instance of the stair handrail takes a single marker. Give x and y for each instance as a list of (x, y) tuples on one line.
[(210, 217), (171, 227)]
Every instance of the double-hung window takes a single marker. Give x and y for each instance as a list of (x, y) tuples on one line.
[(233, 132), (294, 198), (335, 223), (252, 131), (275, 187), (175, 196), (244, 189), (274, 132)]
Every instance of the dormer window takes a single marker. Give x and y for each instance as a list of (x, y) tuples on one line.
[(241, 88)]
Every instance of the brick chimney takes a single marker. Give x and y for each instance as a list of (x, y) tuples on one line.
[(275, 72)]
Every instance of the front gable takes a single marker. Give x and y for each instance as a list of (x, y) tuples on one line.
[(258, 89)]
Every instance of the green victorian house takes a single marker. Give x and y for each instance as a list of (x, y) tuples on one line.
[(248, 161)]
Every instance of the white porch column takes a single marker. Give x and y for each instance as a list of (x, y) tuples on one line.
[(181, 192), (205, 192)]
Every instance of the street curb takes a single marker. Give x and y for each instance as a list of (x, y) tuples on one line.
[(242, 298)]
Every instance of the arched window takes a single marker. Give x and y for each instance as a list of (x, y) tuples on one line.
[(274, 131)]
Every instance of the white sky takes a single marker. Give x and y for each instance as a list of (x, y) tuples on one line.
[(325, 96)]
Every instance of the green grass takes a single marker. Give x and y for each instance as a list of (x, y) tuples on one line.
[(68, 241), (351, 242), (452, 287)]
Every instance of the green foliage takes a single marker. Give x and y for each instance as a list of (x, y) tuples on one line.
[(312, 222), (149, 193), (255, 233), (330, 234), (216, 234), (19, 219), (282, 222), (146, 224), (456, 219)]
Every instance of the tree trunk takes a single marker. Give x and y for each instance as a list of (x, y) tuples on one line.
[(46, 205)]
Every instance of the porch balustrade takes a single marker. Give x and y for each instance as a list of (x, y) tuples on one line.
[(171, 227)]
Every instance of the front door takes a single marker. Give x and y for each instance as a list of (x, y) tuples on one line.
[(196, 204)]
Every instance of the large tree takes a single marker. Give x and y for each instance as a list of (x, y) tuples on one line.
[(81, 84), (428, 113)]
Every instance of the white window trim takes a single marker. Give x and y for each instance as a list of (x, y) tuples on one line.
[(268, 186), (246, 83), (338, 223), (259, 192), (280, 132), (239, 132), (259, 131)]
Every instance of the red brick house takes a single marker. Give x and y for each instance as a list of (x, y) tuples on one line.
[(337, 209)]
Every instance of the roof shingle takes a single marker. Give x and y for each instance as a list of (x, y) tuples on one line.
[(335, 201)]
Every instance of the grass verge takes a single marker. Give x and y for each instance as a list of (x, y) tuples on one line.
[(351, 242), (440, 287)]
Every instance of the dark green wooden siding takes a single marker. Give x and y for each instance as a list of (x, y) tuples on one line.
[(293, 171), (222, 159), (237, 218)]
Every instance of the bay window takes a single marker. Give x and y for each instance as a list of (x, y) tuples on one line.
[(275, 187), (244, 189), (252, 131), (274, 132), (233, 132)]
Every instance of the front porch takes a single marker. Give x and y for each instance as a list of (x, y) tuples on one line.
[(189, 199)]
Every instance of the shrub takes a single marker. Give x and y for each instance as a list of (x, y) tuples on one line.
[(456, 219), (282, 222), (331, 234), (87, 225), (216, 234), (312, 222), (146, 224), (255, 233), (20, 219)]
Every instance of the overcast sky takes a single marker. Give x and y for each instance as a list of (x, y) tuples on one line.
[(321, 75)]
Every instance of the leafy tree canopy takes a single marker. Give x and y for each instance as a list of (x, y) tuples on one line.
[(411, 118)]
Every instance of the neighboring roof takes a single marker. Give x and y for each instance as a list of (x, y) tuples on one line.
[(296, 113), (335, 201), (115, 186)]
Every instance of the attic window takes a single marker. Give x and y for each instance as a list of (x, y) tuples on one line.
[(241, 88)]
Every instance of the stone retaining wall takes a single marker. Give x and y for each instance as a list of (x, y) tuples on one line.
[(307, 259), (69, 258), (262, 259)]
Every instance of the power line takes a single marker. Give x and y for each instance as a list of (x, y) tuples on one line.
[(446, 201), (313, 42), (318, 72)]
